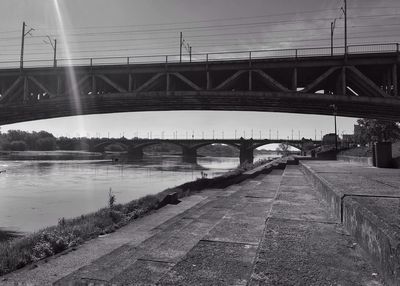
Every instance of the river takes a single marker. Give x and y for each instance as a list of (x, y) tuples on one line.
[(35, 194)]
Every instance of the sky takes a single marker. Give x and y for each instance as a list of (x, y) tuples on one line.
[(120, 28)]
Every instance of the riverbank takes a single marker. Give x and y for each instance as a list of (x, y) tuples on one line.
[(268, 230), (7, 235), (72, 232), (50, 155)]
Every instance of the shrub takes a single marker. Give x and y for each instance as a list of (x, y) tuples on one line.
[(18, 146)]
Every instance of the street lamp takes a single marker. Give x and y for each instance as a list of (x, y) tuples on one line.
[(334, 108)]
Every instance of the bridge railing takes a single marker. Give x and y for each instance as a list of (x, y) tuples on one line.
[(210, 57)]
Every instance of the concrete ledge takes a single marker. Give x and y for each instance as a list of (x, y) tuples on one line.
[(332, 197), (374, 234), (372, 219), (230, 178), (367, 161)]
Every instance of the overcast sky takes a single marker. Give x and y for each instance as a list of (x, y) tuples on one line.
[(95, 28)]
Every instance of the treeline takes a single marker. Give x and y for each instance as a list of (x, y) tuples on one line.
[(17, 140)]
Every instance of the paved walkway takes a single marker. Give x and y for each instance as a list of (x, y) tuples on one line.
[(272, 230)]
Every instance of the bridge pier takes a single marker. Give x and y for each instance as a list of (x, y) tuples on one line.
[(135, 153), (189, 155), (246, 151)]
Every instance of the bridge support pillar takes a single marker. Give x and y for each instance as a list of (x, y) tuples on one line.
[(246, 151), (135, 153), (189, 155)]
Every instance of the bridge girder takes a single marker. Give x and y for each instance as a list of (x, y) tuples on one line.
[(361, 86)]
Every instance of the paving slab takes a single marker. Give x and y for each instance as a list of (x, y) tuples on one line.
[(301, 204), (213, 263), (310, 253), (142, 272)]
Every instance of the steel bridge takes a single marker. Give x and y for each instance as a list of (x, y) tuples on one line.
[(362, 83), (189, 147)]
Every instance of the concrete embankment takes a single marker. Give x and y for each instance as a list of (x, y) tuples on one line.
[(367, 161), (272, 229), (366, 200)]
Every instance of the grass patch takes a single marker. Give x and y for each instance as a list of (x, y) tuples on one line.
[(19, 252)]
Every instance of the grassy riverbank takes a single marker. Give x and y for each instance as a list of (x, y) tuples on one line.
[(6, 235), (69, 233)]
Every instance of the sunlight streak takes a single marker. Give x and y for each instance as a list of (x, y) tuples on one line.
[(76, 101)]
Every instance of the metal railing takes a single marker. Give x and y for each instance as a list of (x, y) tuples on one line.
[(210, 57)]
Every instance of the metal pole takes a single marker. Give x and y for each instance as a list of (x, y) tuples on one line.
[(334, 117), (21, 64), (190, 54), (336, 142), (332, 28), (180, 48), (55, 53), (345, 27)]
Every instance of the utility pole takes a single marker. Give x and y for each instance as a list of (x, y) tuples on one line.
[(55, 53), (23, 43), (180, 48), (345, 26), (334, 107), (54, 46), (333, 24)]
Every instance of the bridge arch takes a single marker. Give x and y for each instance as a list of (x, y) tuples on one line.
[(101, 146)]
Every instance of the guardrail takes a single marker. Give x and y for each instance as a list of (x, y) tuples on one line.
[(210, 57)]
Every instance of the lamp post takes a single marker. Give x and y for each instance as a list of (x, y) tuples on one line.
[(334, 108), (333, 24)]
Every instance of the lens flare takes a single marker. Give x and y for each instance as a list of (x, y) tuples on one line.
[(74, 87)]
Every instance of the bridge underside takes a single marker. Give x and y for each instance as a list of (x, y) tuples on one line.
[(364, 85), (294, 102)]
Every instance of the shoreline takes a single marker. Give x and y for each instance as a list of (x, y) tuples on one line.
[(70, 233)]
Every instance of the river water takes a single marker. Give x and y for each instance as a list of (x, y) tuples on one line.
[(35, 194)]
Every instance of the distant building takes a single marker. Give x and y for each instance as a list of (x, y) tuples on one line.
[(329, 140)]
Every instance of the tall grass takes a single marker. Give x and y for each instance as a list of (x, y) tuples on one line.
[(71, 232)]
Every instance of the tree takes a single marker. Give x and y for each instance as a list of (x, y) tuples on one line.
[(372, 130), (283, 149), (18, 146), (46, 144)]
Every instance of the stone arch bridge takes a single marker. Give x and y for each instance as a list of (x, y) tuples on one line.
[(190, 146)]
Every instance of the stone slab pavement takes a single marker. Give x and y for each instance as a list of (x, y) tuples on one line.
[(270, 230)]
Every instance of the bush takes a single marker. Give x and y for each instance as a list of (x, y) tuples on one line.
[(18, 146)]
